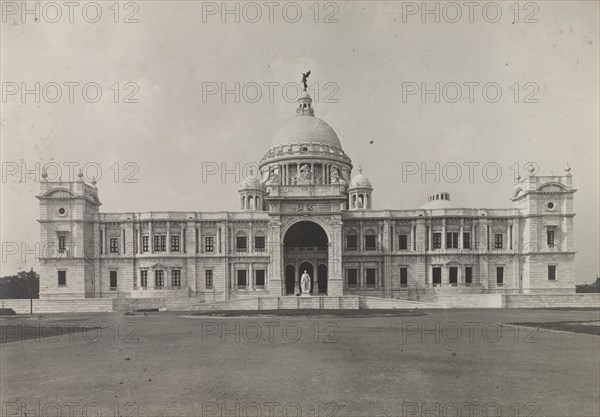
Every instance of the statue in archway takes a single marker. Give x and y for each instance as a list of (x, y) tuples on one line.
[(305, 283)]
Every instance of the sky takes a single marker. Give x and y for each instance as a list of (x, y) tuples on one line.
[(517, 85)]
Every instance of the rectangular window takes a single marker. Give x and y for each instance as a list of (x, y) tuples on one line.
[(468, 275), (550, 237), (145, 243), (437, 276), (144, 278), (209, 245), (453, 277), (500, 275), (62, 243), (498, 241), (437, 240), (259, 243), (176, 278), (208, 274), (452, 240), (114, 245), (551, 272), (467, 240), (371, 274), (175, 243), (241, 244), (241, 278), (352, 242), (113, 280), (370, 242), (159, 278), (260, 277), (163, 243), (402, 242), (352, 277), (403, 277), (62, 278)]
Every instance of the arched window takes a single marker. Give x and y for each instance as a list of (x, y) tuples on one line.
[(360, 201), (353, 200), (243, 202), (370, 240), (257, 202)]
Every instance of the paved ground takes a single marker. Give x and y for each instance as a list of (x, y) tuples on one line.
[(454, 362)]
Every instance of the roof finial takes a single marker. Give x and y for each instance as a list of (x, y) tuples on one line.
[(304, 78), (567, 168), (360, 169)]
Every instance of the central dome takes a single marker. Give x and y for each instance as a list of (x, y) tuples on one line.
[(306, 129)]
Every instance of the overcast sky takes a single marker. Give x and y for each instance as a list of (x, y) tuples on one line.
[(363, 55)]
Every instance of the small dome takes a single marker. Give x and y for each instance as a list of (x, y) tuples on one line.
[(360, 181), (251, 181), (306, 129), (438, 201)]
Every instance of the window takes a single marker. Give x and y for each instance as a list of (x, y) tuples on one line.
[(500, 275), (403, 277), (437, 240), (402, 242), (62, 278), (145, 243), (160, 243), (260, 277), (176, 278), (62, 243), (208, 274), (551, 272), (453, 278), (209, 244), (468, 275), (371, 274), (114, 245), (352, 277), (144, 278), (175, 243), (550, 237), (467, 240), (498, 241), (437, 276), (259, 243), (113, 280), (452, 240), (159, 278), (352, 242), (241, 278), (241, 243), (370, 243)]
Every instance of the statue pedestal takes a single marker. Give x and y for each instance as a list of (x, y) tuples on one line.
[(305, 295)]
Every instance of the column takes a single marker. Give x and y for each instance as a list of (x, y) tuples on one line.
[(151, 238), (169, 237), (473, 244), (444, 234), (140, 235), (461, 242), (250, 283), (430, 235), (251, 239), (296, 279)]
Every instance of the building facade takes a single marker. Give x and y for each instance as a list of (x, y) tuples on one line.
[(305, 211)]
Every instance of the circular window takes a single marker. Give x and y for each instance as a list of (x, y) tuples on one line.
[(61, 211), (550, 206), (304, 149)]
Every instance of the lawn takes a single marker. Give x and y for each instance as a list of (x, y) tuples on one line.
[(331, 363)]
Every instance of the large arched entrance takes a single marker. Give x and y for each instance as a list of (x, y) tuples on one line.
[(305, 248)]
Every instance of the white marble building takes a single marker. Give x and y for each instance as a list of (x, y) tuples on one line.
[(306, 211)]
